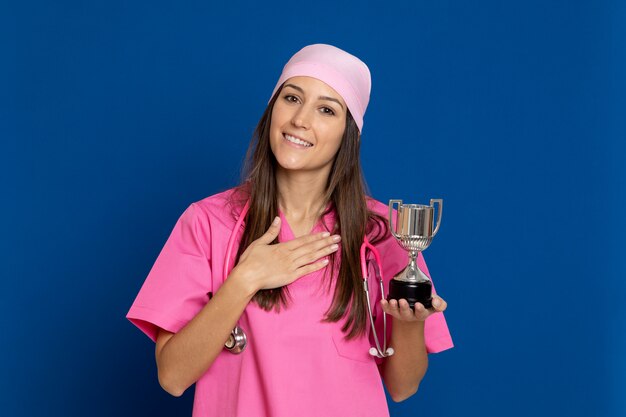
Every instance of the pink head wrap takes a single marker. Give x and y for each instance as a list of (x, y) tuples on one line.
[(345, 73)]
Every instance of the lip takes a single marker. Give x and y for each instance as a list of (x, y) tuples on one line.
[(295, 145)]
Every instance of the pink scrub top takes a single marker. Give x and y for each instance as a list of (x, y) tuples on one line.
[(294, 364)]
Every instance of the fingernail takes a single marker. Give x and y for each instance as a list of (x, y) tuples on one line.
[(334, 247), (276, 221), (336, 238), (325, 234), (436, 302), (325, 261)]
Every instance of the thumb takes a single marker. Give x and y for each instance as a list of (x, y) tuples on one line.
[(271, 234), (439, 304)]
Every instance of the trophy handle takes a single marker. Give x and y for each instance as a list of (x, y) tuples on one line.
[(391, 226), (440, 201)]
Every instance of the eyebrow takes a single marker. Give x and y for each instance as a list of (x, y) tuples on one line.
[(295, 87)]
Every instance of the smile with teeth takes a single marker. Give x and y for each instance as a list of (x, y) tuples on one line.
[(297, 141)]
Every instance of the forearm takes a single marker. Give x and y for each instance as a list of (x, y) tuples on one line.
[(188, 354), (403, 371)]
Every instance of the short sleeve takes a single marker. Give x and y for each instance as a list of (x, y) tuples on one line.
[(394, 258), (177, 287)]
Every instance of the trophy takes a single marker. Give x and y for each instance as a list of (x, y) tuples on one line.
[(414, 232)]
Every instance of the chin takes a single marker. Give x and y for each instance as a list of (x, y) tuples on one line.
[(291, 167), (288, 161)]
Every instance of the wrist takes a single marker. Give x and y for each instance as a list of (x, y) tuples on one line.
[(407, 333), (242, 284), (404, 325)]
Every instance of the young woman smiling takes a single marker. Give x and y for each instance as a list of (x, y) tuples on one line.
[(298, 221)]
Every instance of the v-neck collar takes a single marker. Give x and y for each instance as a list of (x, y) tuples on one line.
[(286, 233)]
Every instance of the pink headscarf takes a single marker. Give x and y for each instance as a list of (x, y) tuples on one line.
[(345, 73)]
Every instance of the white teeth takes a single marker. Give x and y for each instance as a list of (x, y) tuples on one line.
[(297, 141)]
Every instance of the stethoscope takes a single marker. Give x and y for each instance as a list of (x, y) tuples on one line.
[(237, 341)]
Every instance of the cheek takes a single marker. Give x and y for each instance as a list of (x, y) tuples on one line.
[(280, 114), (335, 136), (336, 146), (274, 142)]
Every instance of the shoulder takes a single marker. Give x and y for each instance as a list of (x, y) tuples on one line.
[(223, 204), (218, 210), (378, 228), (377, 206)]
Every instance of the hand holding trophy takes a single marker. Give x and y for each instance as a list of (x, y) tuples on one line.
[(414, 232)]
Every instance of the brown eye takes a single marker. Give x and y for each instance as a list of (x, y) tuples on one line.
[(291, 99), (328, 111)]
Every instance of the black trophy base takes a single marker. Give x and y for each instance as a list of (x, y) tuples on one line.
[(413, 292)]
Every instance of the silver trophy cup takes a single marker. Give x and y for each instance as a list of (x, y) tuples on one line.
[(414, 230)]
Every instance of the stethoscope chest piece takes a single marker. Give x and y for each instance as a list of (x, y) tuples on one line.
[(237, 341), (380, 354)]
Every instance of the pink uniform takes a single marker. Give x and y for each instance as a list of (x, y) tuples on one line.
[(294, 363)]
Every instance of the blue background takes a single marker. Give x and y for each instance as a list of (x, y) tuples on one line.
[(115, 116)]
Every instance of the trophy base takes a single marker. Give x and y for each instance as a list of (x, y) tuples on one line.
[(413, 292)]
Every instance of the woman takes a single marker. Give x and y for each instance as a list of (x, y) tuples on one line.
[(296, 289)]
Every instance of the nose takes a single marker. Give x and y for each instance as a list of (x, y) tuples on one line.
[(301, 118)]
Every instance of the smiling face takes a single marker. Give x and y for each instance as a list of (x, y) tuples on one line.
[(307, 124)]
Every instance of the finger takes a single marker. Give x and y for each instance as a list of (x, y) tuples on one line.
[(388, 309), (319, 244), (305, 257), (393, 307), (307, 269), (421, 312), (306, 239), (271, 233), (405, 311)]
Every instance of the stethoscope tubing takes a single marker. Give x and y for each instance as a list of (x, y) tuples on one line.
[(239, 334)]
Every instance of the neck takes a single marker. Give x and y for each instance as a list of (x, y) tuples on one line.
[(301, 194)]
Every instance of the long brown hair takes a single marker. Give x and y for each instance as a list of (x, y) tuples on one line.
[(345, 191)]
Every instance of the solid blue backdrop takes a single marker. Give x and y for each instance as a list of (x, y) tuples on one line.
[(115, 116)]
